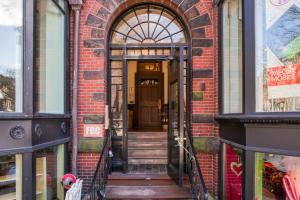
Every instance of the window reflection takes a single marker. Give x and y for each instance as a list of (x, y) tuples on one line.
[(50, 58), (277, 177), (11, 42), (277, 56), (11, 177), (148, 24)]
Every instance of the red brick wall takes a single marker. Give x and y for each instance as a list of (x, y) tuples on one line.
[(201, 18)]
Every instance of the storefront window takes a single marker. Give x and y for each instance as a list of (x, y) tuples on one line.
[(11, 46), (277, 55), (50, 57), (277, 177), (11, 177), (232, 57), (233, 173), (49, 170)]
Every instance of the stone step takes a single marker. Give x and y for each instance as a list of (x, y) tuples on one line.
[(152, 153), (140, 179), (156, 145), (147, 192), (149, 135), (147, 140), (148, 132), (145, 161)]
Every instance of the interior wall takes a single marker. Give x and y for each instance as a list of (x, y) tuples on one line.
[(165, 65), (132, 69)]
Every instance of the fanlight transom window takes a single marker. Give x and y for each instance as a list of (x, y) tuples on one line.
[(148, 24)]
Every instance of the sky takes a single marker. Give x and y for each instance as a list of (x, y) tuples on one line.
[(10, 18)]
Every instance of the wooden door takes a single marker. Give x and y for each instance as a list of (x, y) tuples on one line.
[(149, 96)]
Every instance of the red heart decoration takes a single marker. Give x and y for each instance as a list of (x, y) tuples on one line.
[(236, 168)]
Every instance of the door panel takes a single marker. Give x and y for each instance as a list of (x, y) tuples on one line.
[(176, 117), (149, 93)]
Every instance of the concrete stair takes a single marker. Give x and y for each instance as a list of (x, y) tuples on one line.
[(147, 148), (144, 186)]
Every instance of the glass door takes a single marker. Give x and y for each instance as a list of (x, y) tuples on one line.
[(176, 116)]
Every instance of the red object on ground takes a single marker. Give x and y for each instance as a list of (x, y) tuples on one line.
[(67, 180)]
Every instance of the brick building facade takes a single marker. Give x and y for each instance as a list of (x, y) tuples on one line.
[(97, 17)]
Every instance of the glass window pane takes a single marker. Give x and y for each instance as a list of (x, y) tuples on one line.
[(152, 52), (118, 52), (277, 177), (11, 40), (145, 29), (142, 14), (157, 31), (118, 38), (11, 177), (116, 80), (131, 19), (122, 27), (133, 35), (159, 52), (154, 13), (60, 170), (148, 22), (151, 28), (166, 40), (116, 64), (61, 3), (50, 58), (132, 41), (116, 72), (138, 52), (49, 168), (233, 172), (232, 57), (166, 18), (117, 102), (130, 52), (139, 31), (162, 35), (174, 28), (277, 56), (178, 38)]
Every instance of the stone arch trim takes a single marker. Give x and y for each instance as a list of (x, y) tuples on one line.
[(194, 15)]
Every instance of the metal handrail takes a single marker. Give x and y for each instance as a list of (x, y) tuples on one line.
[(198, 187), (97, 189)]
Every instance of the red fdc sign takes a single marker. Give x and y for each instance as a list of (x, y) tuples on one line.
[(283, 75)]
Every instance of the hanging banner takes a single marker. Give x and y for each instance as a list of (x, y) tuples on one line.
[(283, 75)]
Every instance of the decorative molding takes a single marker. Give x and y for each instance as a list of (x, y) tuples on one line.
[(38, 130), (259, 119), (17, 132), (63, 127)]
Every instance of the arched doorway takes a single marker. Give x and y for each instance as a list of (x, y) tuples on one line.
[(147, 79)]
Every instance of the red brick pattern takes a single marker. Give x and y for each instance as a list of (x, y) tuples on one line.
[(95, 21)]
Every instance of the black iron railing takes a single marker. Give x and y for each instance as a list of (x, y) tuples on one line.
[(97, 190), (193, 170)]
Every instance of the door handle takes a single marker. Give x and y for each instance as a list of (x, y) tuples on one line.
[(159, 105)]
